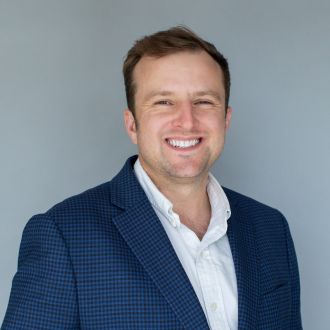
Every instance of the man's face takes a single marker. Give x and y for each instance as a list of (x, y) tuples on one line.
[(180, 117)]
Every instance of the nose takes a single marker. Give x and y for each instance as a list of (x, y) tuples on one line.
[(185, 117)]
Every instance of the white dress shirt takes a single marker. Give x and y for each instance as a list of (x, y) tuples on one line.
[(208, 263)]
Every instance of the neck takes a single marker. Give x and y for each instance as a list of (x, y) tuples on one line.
[(190, 200)]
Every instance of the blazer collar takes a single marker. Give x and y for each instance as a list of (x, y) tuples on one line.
[(242, 240), (144, 234)]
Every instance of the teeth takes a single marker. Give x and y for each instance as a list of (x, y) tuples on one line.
[(183, 143)]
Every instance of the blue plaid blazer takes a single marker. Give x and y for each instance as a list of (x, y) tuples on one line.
[(102, 260)]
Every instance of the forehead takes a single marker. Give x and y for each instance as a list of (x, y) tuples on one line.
[(174, 59), (179, 69)]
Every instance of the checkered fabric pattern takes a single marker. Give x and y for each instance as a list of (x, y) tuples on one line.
[(102, 260)]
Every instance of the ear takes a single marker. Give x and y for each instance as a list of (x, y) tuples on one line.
[(130, 125), (228, 118)]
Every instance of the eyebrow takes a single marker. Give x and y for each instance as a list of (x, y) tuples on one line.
[(170, 93), (158, 93), (209, 93)]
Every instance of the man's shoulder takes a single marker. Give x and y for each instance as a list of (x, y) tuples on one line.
[(80, 208), (236, 198), (99, 195), (253, 210), (103, 200), (92, 196), (268, 226)]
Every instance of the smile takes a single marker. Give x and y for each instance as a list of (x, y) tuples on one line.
[(183, 143)]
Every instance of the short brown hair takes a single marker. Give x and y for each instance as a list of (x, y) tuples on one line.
[(162, 43)]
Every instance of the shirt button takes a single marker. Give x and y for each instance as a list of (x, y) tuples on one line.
[(214, 307), (205, 254)]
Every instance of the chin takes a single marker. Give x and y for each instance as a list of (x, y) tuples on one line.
[(185, 171)]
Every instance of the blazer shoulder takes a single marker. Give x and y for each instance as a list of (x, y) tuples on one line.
[(121, 191), (237, 199), (98, 204), (89, 198), (85, 207), (263, 217)]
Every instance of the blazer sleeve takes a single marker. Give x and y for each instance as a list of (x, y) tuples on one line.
[(43, 294), (296, 323)]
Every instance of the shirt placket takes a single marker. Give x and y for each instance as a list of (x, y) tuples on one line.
[(213, 297)]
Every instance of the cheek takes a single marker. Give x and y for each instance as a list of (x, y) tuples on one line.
[(147, 133), (215, 123), (153, 125)]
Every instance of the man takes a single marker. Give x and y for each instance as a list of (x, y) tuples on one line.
[(162, 245)]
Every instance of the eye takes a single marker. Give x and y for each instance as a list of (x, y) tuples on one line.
[(204, 102), (163, 102)]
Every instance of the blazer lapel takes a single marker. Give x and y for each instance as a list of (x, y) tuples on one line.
[(140, 227), (242, 242)]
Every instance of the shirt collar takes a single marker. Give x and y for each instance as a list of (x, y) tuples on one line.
[(220, 212), (218, 199), (219, 203)]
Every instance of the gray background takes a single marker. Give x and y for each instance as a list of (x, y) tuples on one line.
[(62, 95)]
